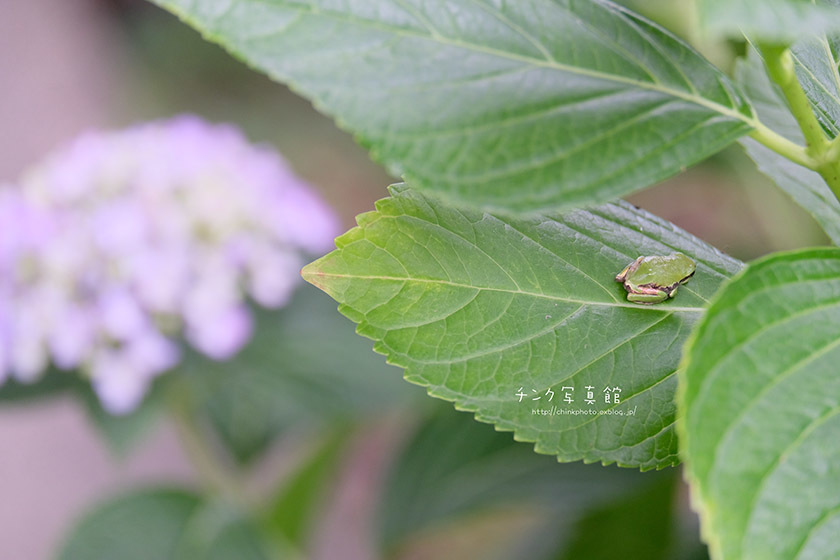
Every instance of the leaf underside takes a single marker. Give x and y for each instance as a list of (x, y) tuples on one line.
[(778, 21), (476, 307), (527, 105)]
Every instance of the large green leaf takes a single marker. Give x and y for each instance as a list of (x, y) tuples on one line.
[(479, 308), (524, 105), (636, 526), (169, 524), (52, 383), (815, 61), (760, 398), (220, 531), (452, 468), (769, 20), (817, 69), (301, 497), (137, 526)]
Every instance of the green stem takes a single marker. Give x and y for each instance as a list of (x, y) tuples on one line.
[(783, 146), (833, 152), (214, 470), (831, 173), (201, 450), (819, 149)]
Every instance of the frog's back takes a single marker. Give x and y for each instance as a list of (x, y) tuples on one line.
[(664, 270)]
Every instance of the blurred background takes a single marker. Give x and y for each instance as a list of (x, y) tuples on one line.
[(357, 464)]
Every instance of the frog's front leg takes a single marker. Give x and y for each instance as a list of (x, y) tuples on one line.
[(648, 295), (629, 269)]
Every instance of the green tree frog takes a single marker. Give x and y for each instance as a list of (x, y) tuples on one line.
[(651, 280)]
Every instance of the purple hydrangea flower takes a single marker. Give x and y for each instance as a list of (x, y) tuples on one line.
[(121, 242)]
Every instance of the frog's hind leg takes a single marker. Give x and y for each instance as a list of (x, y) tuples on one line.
[(647, 295), (647, 299), (687, 278)]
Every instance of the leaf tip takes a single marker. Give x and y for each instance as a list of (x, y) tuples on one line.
[(314, 274)]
